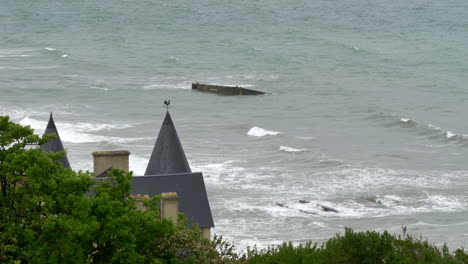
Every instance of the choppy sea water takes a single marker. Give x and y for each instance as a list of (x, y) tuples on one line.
[(364, 111)]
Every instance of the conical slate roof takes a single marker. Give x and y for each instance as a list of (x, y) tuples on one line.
[(168, 156), (55, 144)]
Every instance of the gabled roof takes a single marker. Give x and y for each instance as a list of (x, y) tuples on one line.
[(55, 144), (190, 187), (168, 156)]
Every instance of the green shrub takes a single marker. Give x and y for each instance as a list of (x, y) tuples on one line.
[(368, 247)]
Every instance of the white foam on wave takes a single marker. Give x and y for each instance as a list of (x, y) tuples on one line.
[(288, 149), (77, 133), (434, 127), (319, 224), (445, 203), (15, 115), (421, 223), (221, 172), (261, 132), (65, 55), (49, 49), (305, 138), (365, 179), (385, 205), (450, 135), (405, 120), (138, 164)]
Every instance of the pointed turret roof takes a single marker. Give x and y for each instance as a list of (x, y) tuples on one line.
[(168, 156), (55, 144)]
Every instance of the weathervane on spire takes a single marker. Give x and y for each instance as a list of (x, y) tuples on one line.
[(167, 104)]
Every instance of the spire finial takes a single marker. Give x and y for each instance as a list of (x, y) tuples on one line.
[(167, 104)]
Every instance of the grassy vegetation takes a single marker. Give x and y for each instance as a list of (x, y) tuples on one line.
[(360, 248)]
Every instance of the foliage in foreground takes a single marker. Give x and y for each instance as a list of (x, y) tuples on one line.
[(50, 214), (54, 215), (360, 248)]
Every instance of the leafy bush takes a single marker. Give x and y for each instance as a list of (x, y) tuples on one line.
[(368, 247), (50, 214)]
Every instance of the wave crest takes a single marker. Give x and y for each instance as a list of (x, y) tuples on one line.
[(261, 132), (78, 132), (288, 149)]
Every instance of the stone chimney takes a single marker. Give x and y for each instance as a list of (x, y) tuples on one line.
[(139, 200), (104, 160), (170, 206)]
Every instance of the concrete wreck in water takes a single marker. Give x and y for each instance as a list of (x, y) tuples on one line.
[(224, 90)]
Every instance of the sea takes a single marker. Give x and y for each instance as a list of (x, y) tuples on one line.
[(364, 110)]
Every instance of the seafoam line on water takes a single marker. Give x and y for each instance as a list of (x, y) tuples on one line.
[(78, 132)]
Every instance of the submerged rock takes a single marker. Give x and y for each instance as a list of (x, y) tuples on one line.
[(328, 209)]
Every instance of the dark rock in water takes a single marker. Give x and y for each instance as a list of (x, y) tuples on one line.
[(303, 201), (279, 204), (306, 212), (224, 90), (328, 209)]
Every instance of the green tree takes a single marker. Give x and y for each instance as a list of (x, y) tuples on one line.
[(50, 214)]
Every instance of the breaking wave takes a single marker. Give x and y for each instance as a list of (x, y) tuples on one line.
[(261, 132), (373, 206), (288, 149), (366, 192), (426, 130), (138, 164), (78, 132)]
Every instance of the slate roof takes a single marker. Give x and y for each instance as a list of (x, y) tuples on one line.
[(168, 171), (168, 156), (190, 187), (55, 144)]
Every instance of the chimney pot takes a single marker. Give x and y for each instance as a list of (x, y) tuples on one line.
[(170, 206), (117, 159)]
